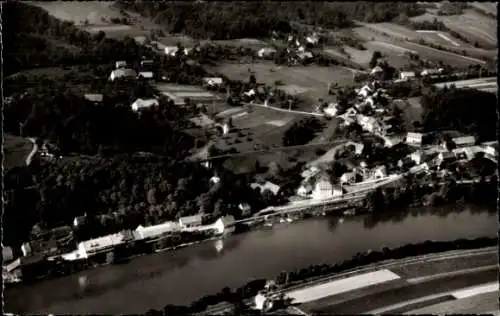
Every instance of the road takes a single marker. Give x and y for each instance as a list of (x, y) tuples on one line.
[(445, 272)]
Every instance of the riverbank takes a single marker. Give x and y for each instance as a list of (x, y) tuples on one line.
[(152, 281), (316, 273)]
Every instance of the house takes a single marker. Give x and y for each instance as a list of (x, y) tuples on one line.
[(304, 55), (304, 190), (171, 50), (490, 148), (212, 81), (467, 153), (214, 180), (266, 52), (146, 63), (324, 189), (348, 178), (123, 73), (428, 72), (365, 91), (376, 70), (94, 97), (445, 157), (190, 221), (405, 162), (120, 64), (420, 156), (244, 207), (92, 247), (39, 247), (274, 188), (149, 232), (419, 168), (312, 39), (146, 75), (140, 40), (369, 123), (225, 225), (414, 139), (79, 221), (369, 101), (464, 141), (310, 172), (7, 254), (140, 104), (379, 172), (406, 75), (331, 110)]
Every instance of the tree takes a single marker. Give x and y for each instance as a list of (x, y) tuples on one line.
[(375, 56)]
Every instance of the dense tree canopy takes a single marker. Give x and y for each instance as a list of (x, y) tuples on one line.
[(466, 110), (47, 41), (239, 19)]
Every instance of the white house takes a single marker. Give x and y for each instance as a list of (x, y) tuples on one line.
[(91, 247), (405, 75), (365, 91), (310, 172), (376, 70), (414, 139), (445, 157), (224, 225), (122, 73), (324, 189), (419, 168), (94, 97), (331, 110), (79, 221), (467, 153), (212, 81), (490, 149), (171, 50), (154, 231), (427, 72), (266, 52), (304, 190), (464, 141), (120, 64), (146, 74), (140, 104), (312, 39), (358, 147), (379, 172), (305, 55), (348, 177), (245, 207), (214, 180), (190, 221)]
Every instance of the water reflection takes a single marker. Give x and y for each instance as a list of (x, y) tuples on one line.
[(399, 215)]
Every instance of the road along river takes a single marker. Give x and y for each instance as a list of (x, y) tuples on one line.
[(181, 276)]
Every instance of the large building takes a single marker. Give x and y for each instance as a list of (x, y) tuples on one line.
[(324, 189)]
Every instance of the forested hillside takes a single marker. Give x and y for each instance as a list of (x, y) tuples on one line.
[(33, 38), (255, 19)]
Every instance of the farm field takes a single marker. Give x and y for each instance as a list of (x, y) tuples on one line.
[(309, 81), (489, 7), (470, 24), (359, 57), (178, 93), (384, 43)]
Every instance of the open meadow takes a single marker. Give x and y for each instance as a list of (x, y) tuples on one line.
[(310, 82), (472, 25), (385, 44)]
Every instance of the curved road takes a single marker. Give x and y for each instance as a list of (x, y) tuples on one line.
[(422, 281)]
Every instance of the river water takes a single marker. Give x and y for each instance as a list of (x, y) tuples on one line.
[(181, 276)]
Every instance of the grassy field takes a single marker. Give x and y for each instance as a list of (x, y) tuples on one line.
[(16, 149), (470, 24), (310, 82), (95, 12), (392, 47)]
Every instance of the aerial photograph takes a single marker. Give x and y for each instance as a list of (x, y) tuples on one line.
[(249, 157)]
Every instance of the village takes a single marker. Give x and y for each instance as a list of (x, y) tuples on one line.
[(221, 111)]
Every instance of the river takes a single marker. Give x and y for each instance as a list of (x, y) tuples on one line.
[(181, 276)]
